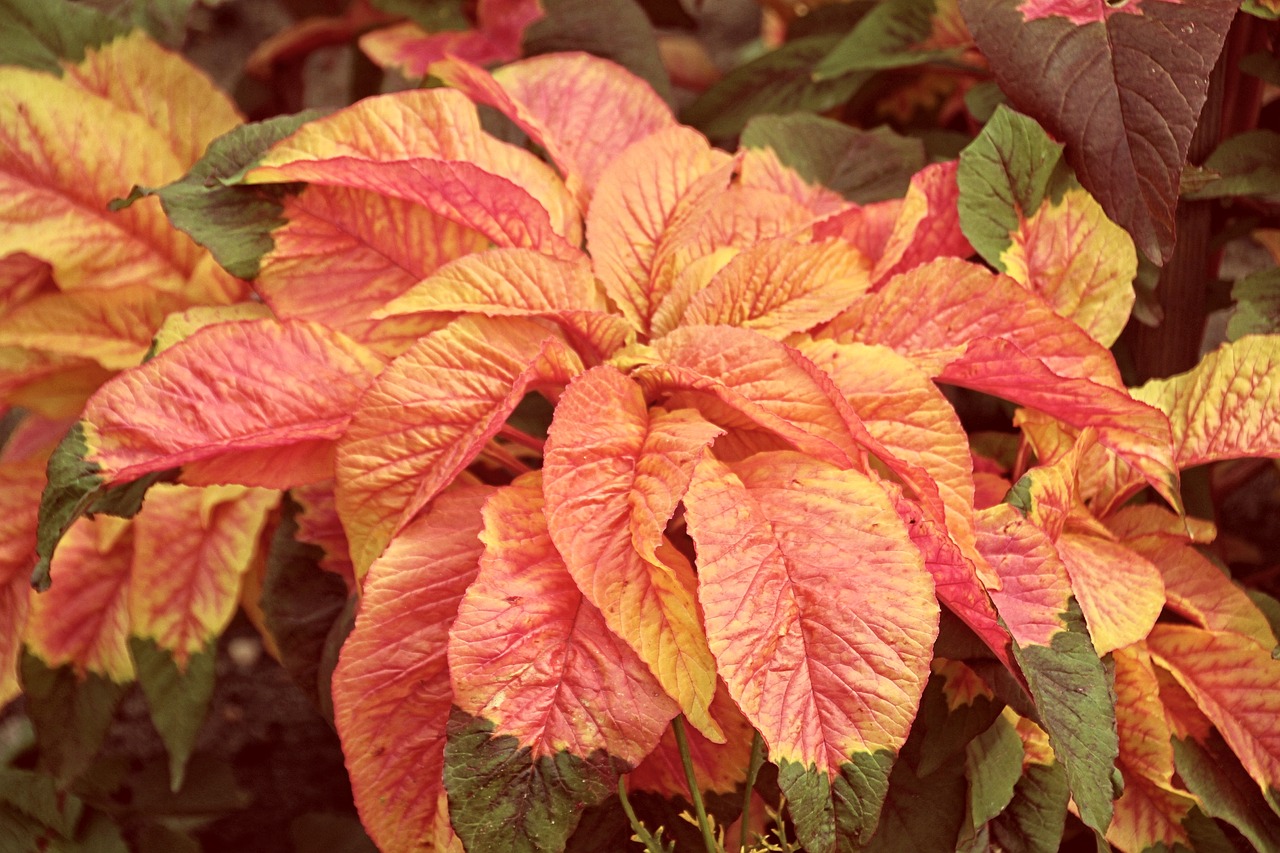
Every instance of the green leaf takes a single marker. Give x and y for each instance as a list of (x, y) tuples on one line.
[(501, 799), (1257, 310), (75, 489), (1247, 164), (781, 81), (614, 29), (1261, 9), (70, 714), (39, 33), (921, 812), (1035, 819), (158, 838), (36, 795), (431, 15), (178, 699), (837, 814), (864, 166), (232, 222), (993, 764), (1074, 696), (1213, 774), (887, 37), (1005, 174), (1263, 65)]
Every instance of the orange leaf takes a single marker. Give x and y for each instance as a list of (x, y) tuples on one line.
[(1150, 811), (780, 286), (192, 548), (113, 327), (720, 768), (821, 616), (615, 472), (55, 189), (429, 415), (343, 253), (1079, 261), (1120, 592), (1236, 683), (640, 195), (521, 283), (391, 692), (83, 619), (257, 402), (427, 147), (20, 486), (581, 109)]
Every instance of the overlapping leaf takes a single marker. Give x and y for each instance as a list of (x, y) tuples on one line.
[(1121, 85), (1236, 683), (615, 473), (1067, 680), (20, 485), (551, 705), (821, 616), (427, 148), (411, 48), (1024, 212), (56, 190), (640, 196), (520, 283), (429, 415), (581, 109), (391, 691), (938, 314)]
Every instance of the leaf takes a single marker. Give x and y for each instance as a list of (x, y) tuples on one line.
[(618, 30), (83, 620), (901, 235), (1085, 72), (780, 81), (993, 766), (898, 34), (70, 713), (40, 34), (112, 326), (410, 49), (56, 191), (1150, 811), (20, 485), (1035, 819), (429, 415), (1072, 691), (777, 388), (582, 110), (37, 796), (192, 549), (391, 692), (615, 472), (1120, 593), (551, 706), (177, 696), (427, 147), (234, 223), (860, 165), (520, 283), (1257, 300), (640, 195), (789, 550), (1237, 685), (1224, 790), (1021, 206), (1244, 165)]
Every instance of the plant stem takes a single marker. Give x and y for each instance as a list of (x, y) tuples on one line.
[(521, 437), (753, 769), (642, 833), (699, 810)]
